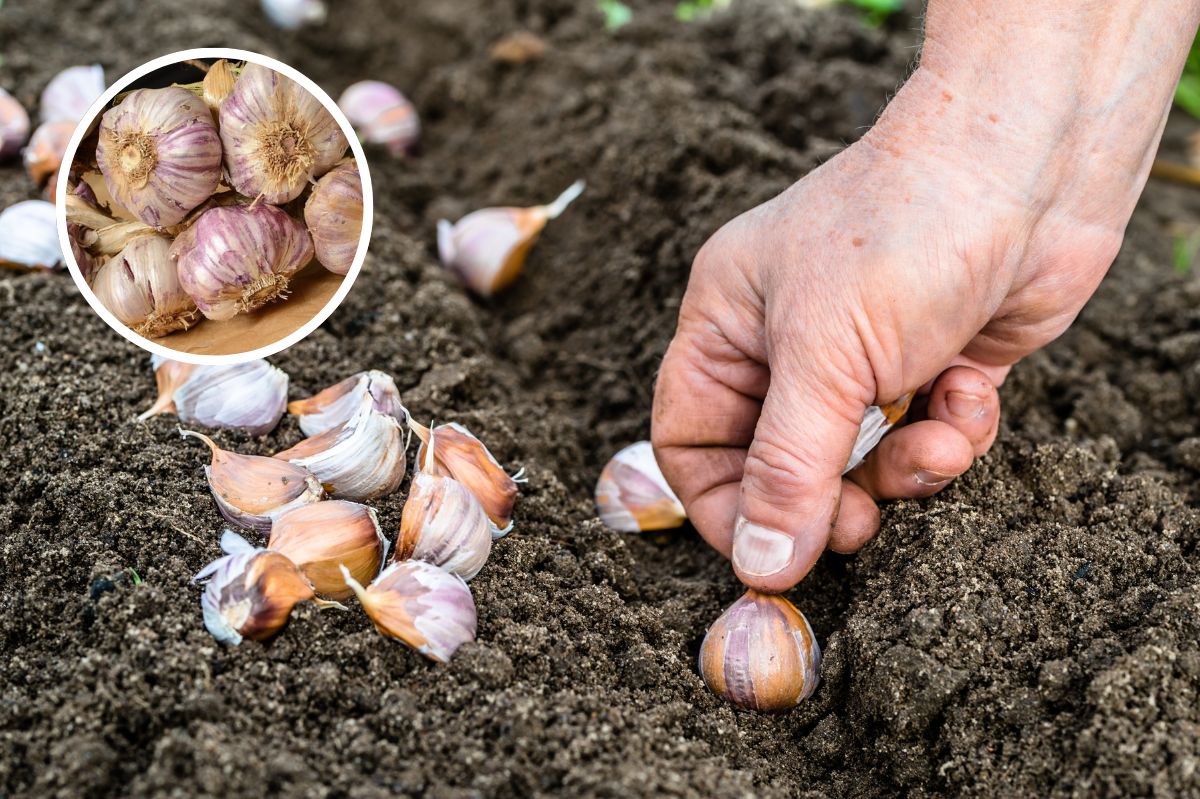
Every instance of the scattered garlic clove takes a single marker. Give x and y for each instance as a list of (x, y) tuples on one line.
[(141, 288), (235, 259), (277, 136), (44, 154), (334, 406), (334, 215), (70, 93), (361, 460), (14, 126), (421, 605), (253, 491), (443, 523), (761, 654), (633, 496), (250, 592), (326, 536), (293, 14), (465, 458), (217, 85), (29, 236), (248, 396), (159, 153), (877, 420), (382, 115), (487, 248)]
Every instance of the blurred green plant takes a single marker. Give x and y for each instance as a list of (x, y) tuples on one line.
[(1187, 94), (876, 12), (137, 580), (689, 10), (616, 14), (1184, 250)]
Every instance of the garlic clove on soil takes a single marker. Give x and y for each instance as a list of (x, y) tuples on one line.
[(322, 537), (14, 126), (247, 396), (29, 236), (633, 496), (70, 93), (294, 14), (253, 491), (877, 421), (421, 605), (44, 154), (334, 215), (334, 406), (486, 249), (141, 288), (465, 458), (382, 115), (761, 654)]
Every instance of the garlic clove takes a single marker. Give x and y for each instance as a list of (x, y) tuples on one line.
[(486, 249), (877, 421), (334, 406), (217, 85), (421, 605), (235, 259), (253, 491), (141, 288), (168, 376), (44, 153), (277, 136), (633, 496), (361, 460), (465, 458), (14, 126), (443, 523), (334, 215), (761, 654), (247, 396), (29, 236), (382, 115), (323, 537), (294, 14), (70, 93), (159, 153)]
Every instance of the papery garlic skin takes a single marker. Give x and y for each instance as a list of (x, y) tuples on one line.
[(253, 491), (761, 654), (421, 605), (277, 136), (217, 85), (141, 288), (70, 93), (247, 396), (14, 126), (465, 458), (160, 154), (334, 406), (632, 495), (382, 115), (486, 249), (334, 215), (29, 235), (324, 537), (877, 421), (44, 154), (294, 14), (236, 259)]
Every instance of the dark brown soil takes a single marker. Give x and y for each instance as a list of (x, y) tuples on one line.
[(1032, 631)]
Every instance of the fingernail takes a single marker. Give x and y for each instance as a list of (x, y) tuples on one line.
[(928, 478), (964, 406), (759, 551)]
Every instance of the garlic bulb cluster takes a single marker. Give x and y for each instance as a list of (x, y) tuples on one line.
[(29, 236), (334, 406), (761, 654), (247, 396), (334, 215), (633, 496), (141, 288), (382, 115), (486, 249), (294, 14), (14, 126), (326, 537)]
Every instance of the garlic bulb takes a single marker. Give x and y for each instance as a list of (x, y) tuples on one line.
[(334, 406), (29, 235), (237, 258), (632, 495), (877, 420), (293, 14), (334, 215), (361, 460), (761, 654), (381, 115), (44, 154), (14, 126), (486, 249), (253, 491), (159, 153), (248, 396), (421, 605), (277, 136), (250, 592), (141, 288), (324, 537), (443, 523), (465, 458), (70, 93)]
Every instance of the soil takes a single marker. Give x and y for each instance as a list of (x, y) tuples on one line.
[(1031, 631)]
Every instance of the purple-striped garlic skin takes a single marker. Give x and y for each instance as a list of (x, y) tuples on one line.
[(247, 396), (382, 115), (633, 496), (334, 215), (334, 406), (277, 136), (14, 126), (29, 235), (70, 93), (141, 288), (236, 258), (761, 654)]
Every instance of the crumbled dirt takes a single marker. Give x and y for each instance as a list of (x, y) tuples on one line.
[(1031, 631)]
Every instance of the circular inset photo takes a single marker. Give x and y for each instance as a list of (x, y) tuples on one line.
[(216, 208)]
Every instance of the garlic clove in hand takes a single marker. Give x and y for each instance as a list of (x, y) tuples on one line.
[(29, 236), (421, 605), (14, 126), (761, 654), (465, 458), (277, 136), (335, 405), (70, 93), (633, 496), (235, 259), (141, 288), (247, 396), (44, 154), (293, 14), (253, 491), (334, 215), (323, 537), (877, 421), (487, 248), (382, 115)]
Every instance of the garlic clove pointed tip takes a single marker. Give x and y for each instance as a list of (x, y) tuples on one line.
[(569, 195)]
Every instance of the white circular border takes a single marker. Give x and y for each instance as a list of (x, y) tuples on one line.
[(360, 256)]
